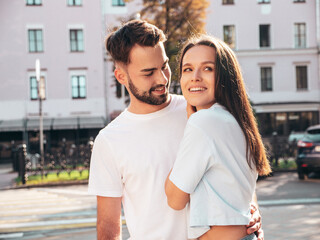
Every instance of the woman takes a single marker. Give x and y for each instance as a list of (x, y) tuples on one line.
[(221, 153)]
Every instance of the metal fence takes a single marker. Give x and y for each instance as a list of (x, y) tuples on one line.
[(65, 158)]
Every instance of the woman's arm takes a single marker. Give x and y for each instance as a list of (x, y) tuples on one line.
[(177, 199)]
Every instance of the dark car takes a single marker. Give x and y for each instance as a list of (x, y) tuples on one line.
[(308, 157)]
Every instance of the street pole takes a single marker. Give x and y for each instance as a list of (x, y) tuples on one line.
[(40, 82)]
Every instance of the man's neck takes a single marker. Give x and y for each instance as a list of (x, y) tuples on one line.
[(138, 107)]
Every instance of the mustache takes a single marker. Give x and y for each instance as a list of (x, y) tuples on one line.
[(158, 86)]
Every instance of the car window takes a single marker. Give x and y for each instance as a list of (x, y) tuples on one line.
[(313, 135)]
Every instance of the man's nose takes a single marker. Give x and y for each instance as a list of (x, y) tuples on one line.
[(164, 77)]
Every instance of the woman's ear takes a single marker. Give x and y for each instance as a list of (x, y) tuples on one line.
[(120, 75)]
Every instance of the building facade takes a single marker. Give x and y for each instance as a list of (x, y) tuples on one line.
[(67, 38), (277, 44), (278, 53)]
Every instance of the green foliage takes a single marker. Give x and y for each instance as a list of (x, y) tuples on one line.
[(178, 19), (56, 177)]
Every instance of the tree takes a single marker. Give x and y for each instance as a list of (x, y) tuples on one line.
[(178, 19)]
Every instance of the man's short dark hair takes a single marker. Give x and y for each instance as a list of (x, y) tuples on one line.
[(120, 42)]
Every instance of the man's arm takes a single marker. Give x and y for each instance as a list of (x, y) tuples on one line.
[(108, 218)]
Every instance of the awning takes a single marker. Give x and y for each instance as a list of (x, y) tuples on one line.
[(34, 124), (72, 123), (65, 123), (92, 122), (12, 125)]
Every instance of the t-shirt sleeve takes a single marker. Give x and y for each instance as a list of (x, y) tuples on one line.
[(194, 158), (105, 177)]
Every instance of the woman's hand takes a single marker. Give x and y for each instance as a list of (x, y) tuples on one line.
[(190, 109), (255, 222)]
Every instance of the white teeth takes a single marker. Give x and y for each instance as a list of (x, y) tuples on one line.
[(195, 89), (159, 89)]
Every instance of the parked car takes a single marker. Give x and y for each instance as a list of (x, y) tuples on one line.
[(308, 157), (294, 137)]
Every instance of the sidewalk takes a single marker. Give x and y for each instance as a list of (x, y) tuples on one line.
[(7, 176)]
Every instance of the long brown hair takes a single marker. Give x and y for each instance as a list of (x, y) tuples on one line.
[(230, 92)]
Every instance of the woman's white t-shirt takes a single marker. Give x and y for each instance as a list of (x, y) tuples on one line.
[(212, 167)]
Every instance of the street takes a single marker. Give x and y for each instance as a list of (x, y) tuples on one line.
[(290, 210)]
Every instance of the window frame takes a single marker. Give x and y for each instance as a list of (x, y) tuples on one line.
[(31, 87), (78, 86), (264, 1), (76, 41), (119, 3), (33, 3), (72, 3), (233, 37), (264, 80), (269, 36), (300, 36), (299, 66), (35, 41), (227, 2)]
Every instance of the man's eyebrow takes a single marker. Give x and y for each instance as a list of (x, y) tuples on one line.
[(152, 69)]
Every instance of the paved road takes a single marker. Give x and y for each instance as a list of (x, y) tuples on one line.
[(290, 207), (290, 210)]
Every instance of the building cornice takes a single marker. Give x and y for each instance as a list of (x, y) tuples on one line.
[(274, 52)]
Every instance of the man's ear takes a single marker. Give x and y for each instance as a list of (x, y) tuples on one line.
[(120, 75)]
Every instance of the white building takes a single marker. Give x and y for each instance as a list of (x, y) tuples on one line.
[(66, 36), (276, 43)]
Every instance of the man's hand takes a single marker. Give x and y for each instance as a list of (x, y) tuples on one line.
[(190, 109), (254, 225)]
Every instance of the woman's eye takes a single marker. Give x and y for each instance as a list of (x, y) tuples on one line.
[(208, 68), (187, 70)]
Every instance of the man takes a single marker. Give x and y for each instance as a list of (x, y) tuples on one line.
[(133, 155)]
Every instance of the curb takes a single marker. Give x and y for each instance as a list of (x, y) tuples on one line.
[(53, 184)]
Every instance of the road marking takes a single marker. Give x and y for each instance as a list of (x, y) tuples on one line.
[(289, 201), (11, 235)]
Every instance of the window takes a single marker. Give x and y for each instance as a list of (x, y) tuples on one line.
[(229, 35), (121, 90), (264, 35), (301, 77), (225, 2), (35, 40), (78, 86), (118, 3), (300, 35), (76, 40), (266, 79), (34, 88), (34, 2), (264, 1), (74, 2)]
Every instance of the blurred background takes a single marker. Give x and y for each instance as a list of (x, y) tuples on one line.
[(50, 112)]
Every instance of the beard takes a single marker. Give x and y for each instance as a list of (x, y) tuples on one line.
[(147, 96)]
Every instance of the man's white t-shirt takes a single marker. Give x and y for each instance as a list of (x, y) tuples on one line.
[(212, 167), (131, 159)]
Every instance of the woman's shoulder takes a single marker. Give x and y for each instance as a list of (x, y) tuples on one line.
[(216, 114)]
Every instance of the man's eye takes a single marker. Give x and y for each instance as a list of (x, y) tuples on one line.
[(165, 67), (150, 74)]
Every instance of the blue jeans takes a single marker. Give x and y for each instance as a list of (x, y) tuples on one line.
[(250, 237)]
